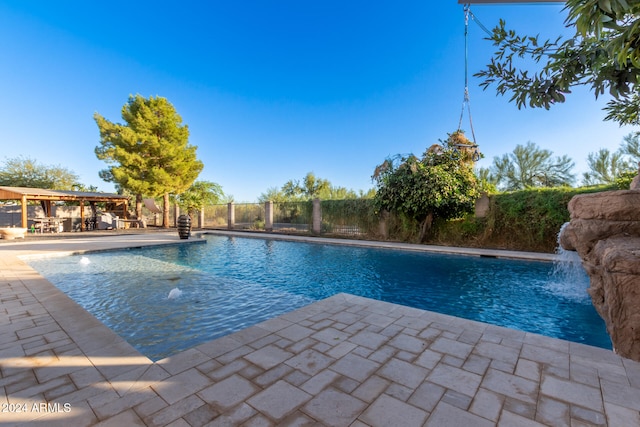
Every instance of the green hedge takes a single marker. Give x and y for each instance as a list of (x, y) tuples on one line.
[(526, 220)]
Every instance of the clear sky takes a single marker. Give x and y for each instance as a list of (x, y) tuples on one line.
[(272, 90)]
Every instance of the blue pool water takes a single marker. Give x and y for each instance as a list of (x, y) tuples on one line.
[(166, 299)]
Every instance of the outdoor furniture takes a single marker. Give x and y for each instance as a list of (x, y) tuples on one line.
[(127, 223), (10, 233), (47, 224), (90, 223)]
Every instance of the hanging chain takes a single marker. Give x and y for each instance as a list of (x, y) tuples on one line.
[(466, 102)]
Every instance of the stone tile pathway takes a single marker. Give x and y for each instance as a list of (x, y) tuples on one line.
[(343, 361)]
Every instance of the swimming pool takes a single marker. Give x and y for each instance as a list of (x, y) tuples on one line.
[(167, 299)]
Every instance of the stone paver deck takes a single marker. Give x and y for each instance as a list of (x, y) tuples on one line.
[(343, 361)]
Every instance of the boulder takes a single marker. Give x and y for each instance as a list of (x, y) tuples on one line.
[(619, 205), (615, 291), (581, 235), (605, 231)]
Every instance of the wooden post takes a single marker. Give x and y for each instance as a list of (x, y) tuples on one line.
[(24, 211), (81, 215)]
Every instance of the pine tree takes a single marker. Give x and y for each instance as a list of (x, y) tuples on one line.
[(150, 154)]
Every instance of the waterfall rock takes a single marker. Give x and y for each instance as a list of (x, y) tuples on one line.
[(605, 231)]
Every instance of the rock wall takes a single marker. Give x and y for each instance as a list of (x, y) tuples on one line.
[(605, 231)]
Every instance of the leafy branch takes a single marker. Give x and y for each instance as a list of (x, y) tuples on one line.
[(604, 54)]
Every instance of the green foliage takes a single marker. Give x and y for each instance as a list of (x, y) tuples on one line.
[(631, 147), (200, 194), (249, 216), (150, 154), (530, 166), (623, 181), (605, 167), (27, 172), (486, 181), (272, 194), (85, 188), (309, 188), (527, 220), (535, 215), (293, 212), (619, 167), (356, 214), (441, 184), (604, 54)]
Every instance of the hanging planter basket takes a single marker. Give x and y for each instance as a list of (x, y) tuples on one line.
[(184, 226)]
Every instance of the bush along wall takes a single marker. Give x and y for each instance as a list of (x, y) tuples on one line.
[(526, 220)]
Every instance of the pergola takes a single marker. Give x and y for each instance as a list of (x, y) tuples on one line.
[(45, 197)]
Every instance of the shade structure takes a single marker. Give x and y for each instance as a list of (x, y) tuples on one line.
[(46, 196)]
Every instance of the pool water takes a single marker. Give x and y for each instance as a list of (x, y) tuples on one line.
[(167, 299)]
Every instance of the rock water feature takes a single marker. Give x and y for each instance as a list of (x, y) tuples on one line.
[(605, 231), (569, 277)]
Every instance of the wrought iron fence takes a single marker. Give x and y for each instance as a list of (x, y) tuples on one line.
[(293, 216), (353, 218), (215, 216), (350, 217), (249, 216)]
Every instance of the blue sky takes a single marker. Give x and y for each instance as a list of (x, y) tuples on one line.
[(272, 90)]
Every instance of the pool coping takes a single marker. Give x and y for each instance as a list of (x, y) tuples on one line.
[(414, 247), (52, 350)]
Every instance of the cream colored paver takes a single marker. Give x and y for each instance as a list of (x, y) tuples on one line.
[(176, 410), (487, 404), (554, 412), (509, 419), (183, 361), (268, 357), (229, 392), (346, 360), (511, 385), (403, 373), (179, 386), (310, 362), (334, 408), (572, 392), (317, 383), (356, 367), (619, 416), (456, 379), (279, 399), (387, 411), (625, 396)]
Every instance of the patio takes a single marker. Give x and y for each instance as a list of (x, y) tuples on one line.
[(343, 361)]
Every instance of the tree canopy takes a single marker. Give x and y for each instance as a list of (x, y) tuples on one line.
[(603, 54), (605, 167), (440, 184), (530, 166), (310, 187), (199, 195), (27, 172), (150, 154), (618, 167)]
